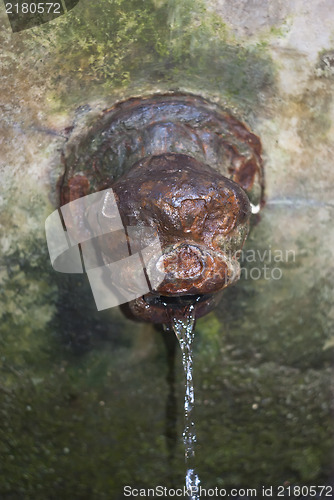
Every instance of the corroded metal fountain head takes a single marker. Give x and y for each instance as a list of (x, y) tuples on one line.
[(185, 167)]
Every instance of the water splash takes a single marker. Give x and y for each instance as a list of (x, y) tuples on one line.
[(184, 331)]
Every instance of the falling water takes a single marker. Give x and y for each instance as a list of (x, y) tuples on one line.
[(184, 331)]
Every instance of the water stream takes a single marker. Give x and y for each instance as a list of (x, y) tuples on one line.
[(184, 331)]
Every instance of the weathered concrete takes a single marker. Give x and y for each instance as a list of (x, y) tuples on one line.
[(264, 357)]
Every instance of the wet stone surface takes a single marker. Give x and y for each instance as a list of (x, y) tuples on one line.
[(84, 394), (182, 166)]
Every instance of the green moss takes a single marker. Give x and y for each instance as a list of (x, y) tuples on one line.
[(111, 47)]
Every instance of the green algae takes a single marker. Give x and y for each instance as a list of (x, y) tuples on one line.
[(83, 393), (108, 48), (94, 421), (83, 414)]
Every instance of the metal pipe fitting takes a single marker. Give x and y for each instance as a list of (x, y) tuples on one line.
[(186, 168)]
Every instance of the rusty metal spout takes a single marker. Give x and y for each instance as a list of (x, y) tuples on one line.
[(190, 170)]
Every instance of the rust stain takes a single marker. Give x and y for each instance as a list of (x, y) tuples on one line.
[(181, 165)]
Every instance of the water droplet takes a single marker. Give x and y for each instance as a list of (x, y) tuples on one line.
[(184, 331)]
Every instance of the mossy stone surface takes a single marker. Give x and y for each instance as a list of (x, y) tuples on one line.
[(83, 394)]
